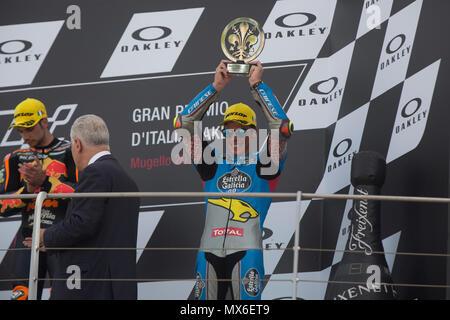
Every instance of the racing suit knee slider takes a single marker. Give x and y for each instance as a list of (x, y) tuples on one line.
[(19, 293)]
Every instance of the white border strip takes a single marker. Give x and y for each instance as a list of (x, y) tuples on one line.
[(130, 79)]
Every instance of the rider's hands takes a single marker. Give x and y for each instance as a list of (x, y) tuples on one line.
[(221, 77), (255, 74)]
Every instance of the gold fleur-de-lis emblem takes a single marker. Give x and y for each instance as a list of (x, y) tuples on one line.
[(242, 40)]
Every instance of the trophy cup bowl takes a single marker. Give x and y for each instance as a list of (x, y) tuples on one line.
[(242, 41)]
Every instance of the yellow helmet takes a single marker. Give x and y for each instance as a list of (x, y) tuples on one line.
[(241, 113), (28, 113)]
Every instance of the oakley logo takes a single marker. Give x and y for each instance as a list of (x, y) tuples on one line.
[(24, 50), (295, 20), (405, 113), (154, 48), (296, 30), (397, 49), (390, 49), (143, 32), (267, 233), (14, 46), (413, 112), (342, 148), (318, 87)]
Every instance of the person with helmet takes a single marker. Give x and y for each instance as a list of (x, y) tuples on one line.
[(46, 165), (231, 243)]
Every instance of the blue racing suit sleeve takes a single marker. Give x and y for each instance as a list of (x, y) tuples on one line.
[(269, 103), (187, 119), (274, 113), (196, 109)]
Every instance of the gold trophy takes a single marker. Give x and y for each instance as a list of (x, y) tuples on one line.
[(242, 41)]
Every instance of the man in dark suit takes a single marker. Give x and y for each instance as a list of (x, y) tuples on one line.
[(96, 223)]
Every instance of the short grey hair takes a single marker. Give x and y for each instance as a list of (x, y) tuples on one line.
[(91, 130)]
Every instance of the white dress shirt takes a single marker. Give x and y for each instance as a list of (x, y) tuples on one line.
[(98, 155)]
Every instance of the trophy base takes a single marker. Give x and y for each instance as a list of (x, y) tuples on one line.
[(239, 69)]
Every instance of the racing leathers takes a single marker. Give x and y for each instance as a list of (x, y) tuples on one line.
[(231, 243), (61, 175)]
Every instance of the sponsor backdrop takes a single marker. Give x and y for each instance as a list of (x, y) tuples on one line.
[(351, 75)]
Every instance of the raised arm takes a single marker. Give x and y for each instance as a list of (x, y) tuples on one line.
[(197, 108), (274, 113)]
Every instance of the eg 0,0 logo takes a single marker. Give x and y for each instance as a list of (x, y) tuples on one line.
[(281, 21), (14, 46), (142, 35)]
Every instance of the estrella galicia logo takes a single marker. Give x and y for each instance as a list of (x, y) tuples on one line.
[(251, 282), (152, 42), (234, 181), (23, 48), (199, 286)]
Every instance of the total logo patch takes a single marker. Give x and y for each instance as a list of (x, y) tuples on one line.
[(219, 232)]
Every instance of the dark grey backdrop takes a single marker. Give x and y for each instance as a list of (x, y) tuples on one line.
[(71, 75)]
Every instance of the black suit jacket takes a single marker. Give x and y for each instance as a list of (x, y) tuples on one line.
[(97, 223)]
